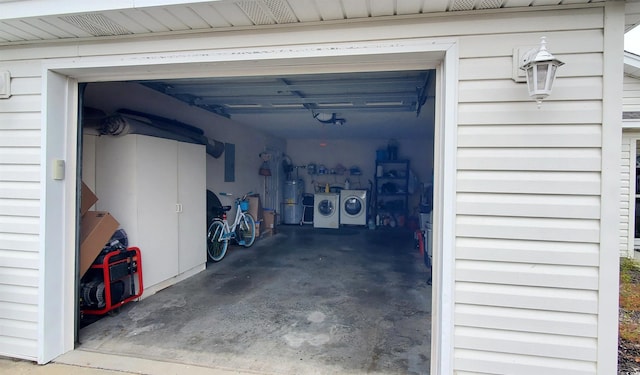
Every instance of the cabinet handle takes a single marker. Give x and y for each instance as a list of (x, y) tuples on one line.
[(178, 207)]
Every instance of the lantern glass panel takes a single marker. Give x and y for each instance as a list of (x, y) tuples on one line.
[(552, 75), (530, 80), (543, 70)]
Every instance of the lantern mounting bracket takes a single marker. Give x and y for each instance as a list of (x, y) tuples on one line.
[(519, 53)]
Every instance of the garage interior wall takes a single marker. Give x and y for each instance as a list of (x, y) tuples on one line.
[(528, 186), (361, 153)]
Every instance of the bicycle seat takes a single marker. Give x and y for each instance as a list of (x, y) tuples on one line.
[(226, 208)]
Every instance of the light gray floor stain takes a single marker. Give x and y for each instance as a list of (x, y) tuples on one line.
[(316, 317), (148, 328)]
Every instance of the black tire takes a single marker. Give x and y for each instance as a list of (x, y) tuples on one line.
[(216, 246), (247, 230)]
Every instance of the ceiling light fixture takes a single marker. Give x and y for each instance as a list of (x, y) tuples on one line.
[(292, 105), (243, 105), (329, 118), (340, 104), (386, 104)]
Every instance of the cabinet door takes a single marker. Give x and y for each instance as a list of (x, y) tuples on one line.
[(192, 197), (156, 166), (116, 181)]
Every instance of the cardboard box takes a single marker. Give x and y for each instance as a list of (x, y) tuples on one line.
[(255, 206), (269, 221), (96, 228), (88, 199)]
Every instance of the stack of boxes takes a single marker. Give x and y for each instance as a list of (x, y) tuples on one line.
[(265, 218), (96, 229)]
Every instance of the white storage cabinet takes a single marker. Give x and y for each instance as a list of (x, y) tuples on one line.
[(156, 189)]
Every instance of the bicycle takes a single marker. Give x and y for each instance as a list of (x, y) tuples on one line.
[(243, 229)]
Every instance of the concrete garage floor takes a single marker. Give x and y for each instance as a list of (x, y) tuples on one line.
[(303, 301)]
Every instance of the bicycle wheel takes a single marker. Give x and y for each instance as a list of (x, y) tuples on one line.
[(247, 230), (216, 245)]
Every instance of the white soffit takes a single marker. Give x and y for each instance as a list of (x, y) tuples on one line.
[(24, 21)]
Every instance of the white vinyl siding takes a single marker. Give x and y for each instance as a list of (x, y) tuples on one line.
[(528, 181), (631, 94), (20, 211), (528, 205)]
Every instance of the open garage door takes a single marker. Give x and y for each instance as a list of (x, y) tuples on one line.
[(328, 141)]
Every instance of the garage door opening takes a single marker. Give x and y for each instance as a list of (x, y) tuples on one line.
[(352, 292), (63, 76)]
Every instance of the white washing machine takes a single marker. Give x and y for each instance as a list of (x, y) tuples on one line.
[(326, 210), (353, 207)]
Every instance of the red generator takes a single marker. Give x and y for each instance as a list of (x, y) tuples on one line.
[(112, 280)]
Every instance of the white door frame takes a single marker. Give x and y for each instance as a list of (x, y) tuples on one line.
[(57, 301), (632, 133), (57, 261), (633, 178)]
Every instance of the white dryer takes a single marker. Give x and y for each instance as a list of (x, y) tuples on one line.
[(326, 210), (353, 207)]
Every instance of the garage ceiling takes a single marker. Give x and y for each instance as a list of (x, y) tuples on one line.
[(398, 103)]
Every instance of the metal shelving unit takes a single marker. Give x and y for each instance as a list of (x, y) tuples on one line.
[(391, 191)]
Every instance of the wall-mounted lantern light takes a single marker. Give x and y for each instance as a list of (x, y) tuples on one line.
[(540, 69)]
